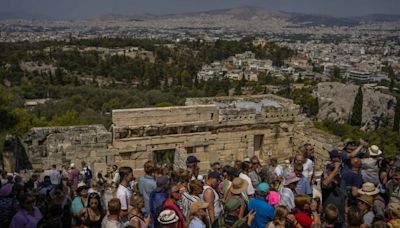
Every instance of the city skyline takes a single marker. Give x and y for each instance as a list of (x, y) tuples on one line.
[(83, 9)]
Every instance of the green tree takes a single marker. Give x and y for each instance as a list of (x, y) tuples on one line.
[(356, 113)]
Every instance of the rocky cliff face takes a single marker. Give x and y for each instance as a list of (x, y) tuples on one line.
[(336, 102)]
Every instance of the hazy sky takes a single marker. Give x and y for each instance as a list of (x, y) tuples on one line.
[(90, 8)]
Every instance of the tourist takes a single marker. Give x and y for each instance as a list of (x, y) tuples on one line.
[(158, 197), (331, 215), (79, 202), (370, 167), (124, 191), (351, 150), (283, 219), (308, 165), (354, 218), (288, 191), (378, 205), (229, 174), (115, 176), (171, 203), (235, 191), (232, 210), (93, 214), (394, 215), (73, 176), (168, 219), (197, 217), (192, 167), (58, 197), (113, 219), (8, 204), (264, 211), (255, 170), (303, 186), (334, 190), (216, 166), (87, 174), (27, 215), (193, 195), (147, 183), (305, 205), (211, 196), (32, 183), (244, 174), (136, 218), (393, 187), (353, 179), (364, 204), (278, 169), (54, 174), (46, 186)]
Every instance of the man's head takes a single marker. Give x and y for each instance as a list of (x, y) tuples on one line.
[(126, 173), (263, 189), (331, 213), (196, 187), (192, 161), (114, 168), (335, 155), (149, 168), (216, 166), (355, 162), (213, 179), (298, 169), (299, 158), (114, 206), (246, 166), (273, 162)]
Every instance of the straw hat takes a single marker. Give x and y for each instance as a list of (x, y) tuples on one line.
[(366, 199), (395, 209), (374, 151), (368, 189), (197, 206), (167, 217), (238, 185)]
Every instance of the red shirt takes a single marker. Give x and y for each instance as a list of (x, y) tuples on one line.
[(169, 204), (303, 219)]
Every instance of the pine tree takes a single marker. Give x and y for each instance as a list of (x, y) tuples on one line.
[(356, 113)]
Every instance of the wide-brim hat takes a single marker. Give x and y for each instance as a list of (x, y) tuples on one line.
[(197, 206), (394, 208), (366, 199), (167, 217), (374, 151), (82, 185), (291, 178), (368, 189), (238, 185)]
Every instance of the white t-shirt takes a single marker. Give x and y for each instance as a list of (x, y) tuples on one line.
[(250, 189), (279, 171), (308, 169), (124, 194)]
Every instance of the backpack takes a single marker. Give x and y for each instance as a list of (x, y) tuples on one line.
[(88, 174)]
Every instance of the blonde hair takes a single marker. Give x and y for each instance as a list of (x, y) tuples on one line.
[(280, 215), (135, 200), (301, 200)]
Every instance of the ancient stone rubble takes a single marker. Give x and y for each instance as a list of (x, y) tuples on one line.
[(213, 129)]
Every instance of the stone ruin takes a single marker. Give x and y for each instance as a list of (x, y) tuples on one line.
[(213, 129)]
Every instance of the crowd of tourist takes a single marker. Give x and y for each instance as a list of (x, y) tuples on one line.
[(358, 187)]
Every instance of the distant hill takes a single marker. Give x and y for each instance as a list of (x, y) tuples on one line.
[(380, 18), (4, 15)]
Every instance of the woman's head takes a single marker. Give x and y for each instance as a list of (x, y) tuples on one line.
[(94, 201), (302, 202), (137, 202), (114, 206), (195, 187), (281, 213), (354, 217)]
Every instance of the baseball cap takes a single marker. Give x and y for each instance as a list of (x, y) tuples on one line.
[(192, 159), (263, 188)]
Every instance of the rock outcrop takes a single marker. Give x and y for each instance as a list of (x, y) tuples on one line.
[(336, 102)]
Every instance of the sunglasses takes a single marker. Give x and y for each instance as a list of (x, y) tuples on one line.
[(94, 195)]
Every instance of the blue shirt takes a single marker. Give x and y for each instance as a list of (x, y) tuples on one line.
[(146, 185), (264, 212), (303, 187), (196, 223)]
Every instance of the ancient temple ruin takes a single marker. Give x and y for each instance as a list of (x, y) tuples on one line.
[(213, 129)]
